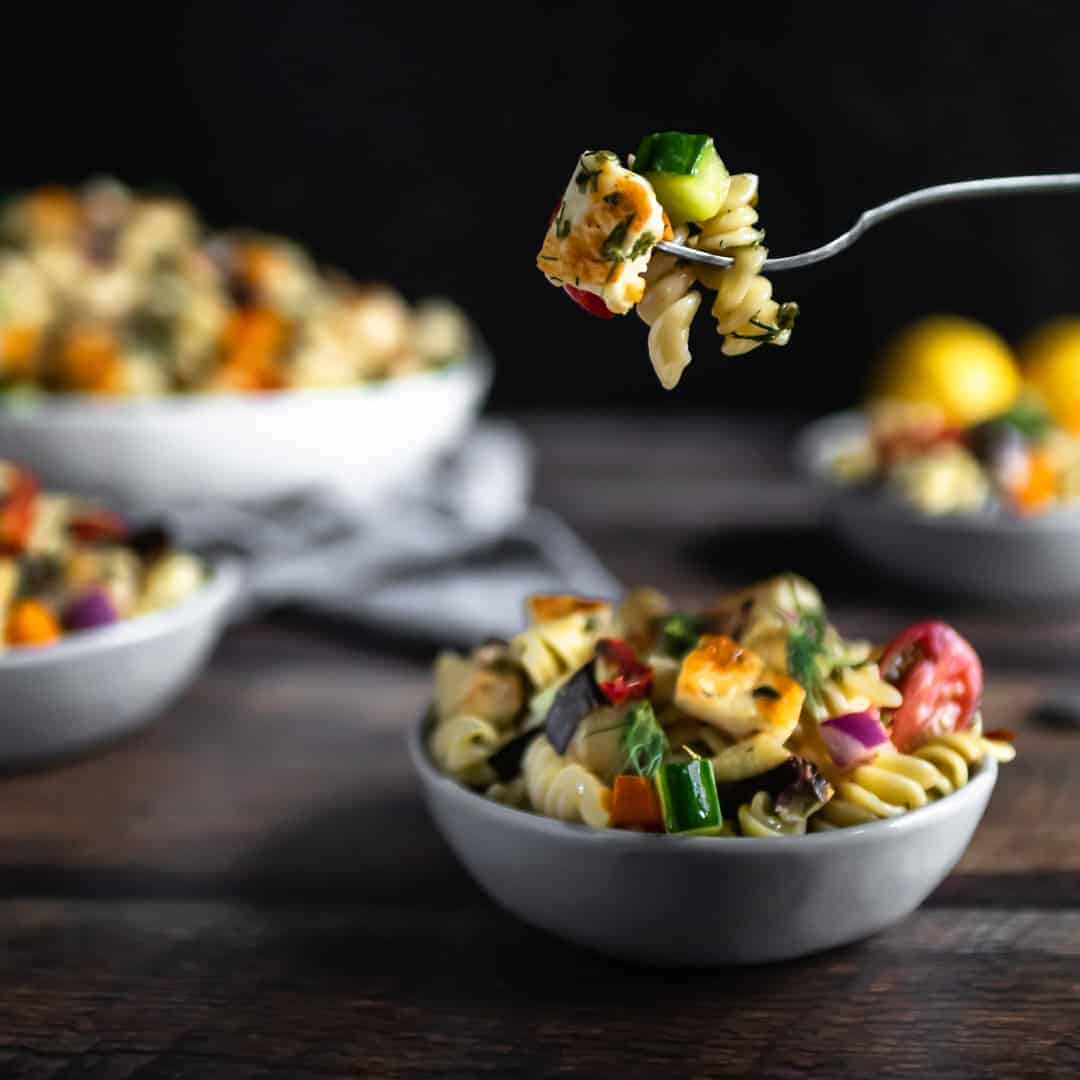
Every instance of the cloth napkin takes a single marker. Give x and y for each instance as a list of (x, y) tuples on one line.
[(449, 560)]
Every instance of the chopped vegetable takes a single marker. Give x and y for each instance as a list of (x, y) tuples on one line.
[(592, 303), (576, 698), (31, 623), (93, 608), (941, 680), (734, 793), (635, 804), (645, 741), (853, 738), (17, 510), (807, 792), (1039, 485), (1000, 734), (686, 173), (807, 653), (688, 798), (97, 525), (619, 674), (505, 763), (679, 634)]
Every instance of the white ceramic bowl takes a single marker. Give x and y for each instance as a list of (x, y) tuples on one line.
[(986, 554), (97, 685), (362, 441), (702, 901)]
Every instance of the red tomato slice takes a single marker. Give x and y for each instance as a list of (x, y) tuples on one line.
[(620, 675), (17, 510), (941, 678), (590, 302)]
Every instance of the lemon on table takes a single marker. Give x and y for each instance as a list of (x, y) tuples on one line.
[(957, 364), (1051, 362)]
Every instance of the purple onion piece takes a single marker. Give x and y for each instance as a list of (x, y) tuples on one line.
[(853, 738), (92, 609)]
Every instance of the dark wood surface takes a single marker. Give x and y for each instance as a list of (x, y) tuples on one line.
[(253, 888)]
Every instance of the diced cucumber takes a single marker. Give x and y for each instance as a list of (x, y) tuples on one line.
[(686, 173)]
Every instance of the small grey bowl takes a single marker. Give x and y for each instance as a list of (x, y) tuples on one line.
[(983, 554), (97, 685), (702, 901)]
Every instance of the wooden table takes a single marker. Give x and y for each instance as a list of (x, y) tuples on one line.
[(253, 889)]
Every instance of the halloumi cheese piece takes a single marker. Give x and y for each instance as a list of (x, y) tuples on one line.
[(602, 235), (727, 685)]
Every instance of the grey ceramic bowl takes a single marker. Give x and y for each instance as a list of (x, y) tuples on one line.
[(97, 685), (986, 554), (702, 901)]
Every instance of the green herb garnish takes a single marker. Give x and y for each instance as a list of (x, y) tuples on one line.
[(613, 198), (806, 651), (679, 634), (562, 225), (645, 742), (1029, 418), (642, 244), (767, 692), (611, 249)]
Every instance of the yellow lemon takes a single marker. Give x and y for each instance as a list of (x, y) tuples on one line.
[(957, 364), (1051, 360)]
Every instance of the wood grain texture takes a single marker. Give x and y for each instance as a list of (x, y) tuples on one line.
[(253, 888)]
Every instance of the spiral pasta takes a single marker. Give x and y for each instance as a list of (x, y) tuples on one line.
[(564, 789), (668, 308), (461, 745), (746, 314), (853, 689), (758, 817)]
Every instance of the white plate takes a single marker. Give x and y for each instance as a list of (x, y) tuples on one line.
[(97, 685), (703, 901), (361, 441), (985, 554)]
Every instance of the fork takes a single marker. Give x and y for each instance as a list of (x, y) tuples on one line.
[(913, 200)]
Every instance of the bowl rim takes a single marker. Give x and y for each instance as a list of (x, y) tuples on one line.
[(217, 594), (983, 778), (474, 362), (813, 450)]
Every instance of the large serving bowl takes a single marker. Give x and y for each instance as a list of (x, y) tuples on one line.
[(361, 441), (97, 685), (701, 901), (983, 554)]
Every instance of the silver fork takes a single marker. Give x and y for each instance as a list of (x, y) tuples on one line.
[(913, 200)]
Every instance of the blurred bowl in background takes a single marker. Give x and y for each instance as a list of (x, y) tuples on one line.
[(980, 554), (362, 442), (97, 685)]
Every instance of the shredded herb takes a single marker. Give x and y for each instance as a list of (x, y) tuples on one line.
[(644, 741), (562, 225), (679, 634), (806, 651), (1029, 418), (550, 258), (642, 244), (611, 249), (613, 198), (767, 692)]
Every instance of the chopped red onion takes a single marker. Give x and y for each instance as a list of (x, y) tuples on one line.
[(853, 738), (93, 608)]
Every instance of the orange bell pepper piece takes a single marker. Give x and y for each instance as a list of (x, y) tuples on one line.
[(1039, 486), (252, 342), (635, 804), (32, 623), (90, 361), (18, 351), (17, 510)]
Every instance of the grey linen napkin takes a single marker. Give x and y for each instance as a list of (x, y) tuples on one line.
[(449, 560)]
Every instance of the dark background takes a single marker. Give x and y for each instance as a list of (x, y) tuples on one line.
[(426, 148)]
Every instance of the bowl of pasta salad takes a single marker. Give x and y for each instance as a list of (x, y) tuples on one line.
[(730, 785), (101, 623), (962, 471), (143, 355)]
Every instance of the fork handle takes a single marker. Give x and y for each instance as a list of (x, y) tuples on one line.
[(992, 187)]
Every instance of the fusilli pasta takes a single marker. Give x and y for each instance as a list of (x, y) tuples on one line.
[(758, 817), (461, 745), (668, 308), (564, 789)]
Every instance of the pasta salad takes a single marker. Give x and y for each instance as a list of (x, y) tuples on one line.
[(752, 718), (69, 565), (599, 247), (106, 291)]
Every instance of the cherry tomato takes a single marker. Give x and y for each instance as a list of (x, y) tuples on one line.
[(620, 675), (589, 301), (17, 510), (941, 679)]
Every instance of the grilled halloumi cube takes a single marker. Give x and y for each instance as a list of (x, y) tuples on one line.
[(602, 235), (728, 686), (563, 635)]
